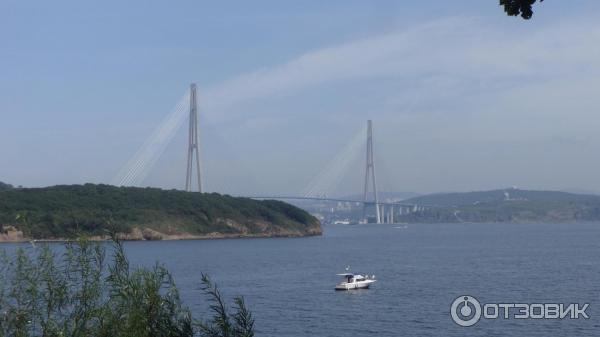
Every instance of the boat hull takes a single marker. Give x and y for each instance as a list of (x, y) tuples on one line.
[(354, 285)]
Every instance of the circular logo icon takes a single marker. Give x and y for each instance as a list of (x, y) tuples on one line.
[(465, 311)]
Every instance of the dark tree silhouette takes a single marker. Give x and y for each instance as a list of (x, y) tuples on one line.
[(5, 186), (519, 7)]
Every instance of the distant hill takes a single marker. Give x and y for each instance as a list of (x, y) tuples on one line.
[(507, 205), (5, 186), (581, 191), (59, 212), (510, 194)]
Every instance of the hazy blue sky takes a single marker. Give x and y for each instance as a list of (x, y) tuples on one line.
[(462, 97)]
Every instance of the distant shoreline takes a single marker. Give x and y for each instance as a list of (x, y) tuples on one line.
[(524, 222)]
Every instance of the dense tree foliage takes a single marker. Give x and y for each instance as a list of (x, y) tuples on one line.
[(519, 7), (5, 186), (79, 294), (67, 211)]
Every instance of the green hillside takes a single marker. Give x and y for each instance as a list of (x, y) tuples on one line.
[(508, 205), (146, 213)]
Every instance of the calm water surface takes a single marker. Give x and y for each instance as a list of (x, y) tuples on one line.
[(421, 269)]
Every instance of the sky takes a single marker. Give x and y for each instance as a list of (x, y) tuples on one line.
[(461, 96)]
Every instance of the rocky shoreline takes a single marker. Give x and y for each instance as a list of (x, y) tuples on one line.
[(12, 235), (147, 234)]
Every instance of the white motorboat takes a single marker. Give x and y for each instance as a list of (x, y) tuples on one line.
[(355, 281)]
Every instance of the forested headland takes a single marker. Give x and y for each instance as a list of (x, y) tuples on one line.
[(67, 211)]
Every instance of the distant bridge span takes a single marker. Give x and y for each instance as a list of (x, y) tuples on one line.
[(337, 200)]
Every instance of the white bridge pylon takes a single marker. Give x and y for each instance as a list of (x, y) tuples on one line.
[(322, 186), (370, 173)]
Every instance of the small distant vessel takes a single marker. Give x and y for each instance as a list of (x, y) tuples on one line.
[(355, 281)]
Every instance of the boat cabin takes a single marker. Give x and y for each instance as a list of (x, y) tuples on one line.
[(351, 278)]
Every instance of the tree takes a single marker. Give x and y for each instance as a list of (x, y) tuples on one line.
[(81, 293), (519, 7), (5, 186)]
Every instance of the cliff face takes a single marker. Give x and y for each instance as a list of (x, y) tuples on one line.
[(60, 212)]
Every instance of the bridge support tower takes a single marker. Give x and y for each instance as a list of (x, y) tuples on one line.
[(193, 155), (370, 176)]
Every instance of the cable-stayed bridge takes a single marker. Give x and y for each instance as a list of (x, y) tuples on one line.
[(388, 210), (138, 167)]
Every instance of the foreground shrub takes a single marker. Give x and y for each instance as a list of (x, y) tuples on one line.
[(80, 294)]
